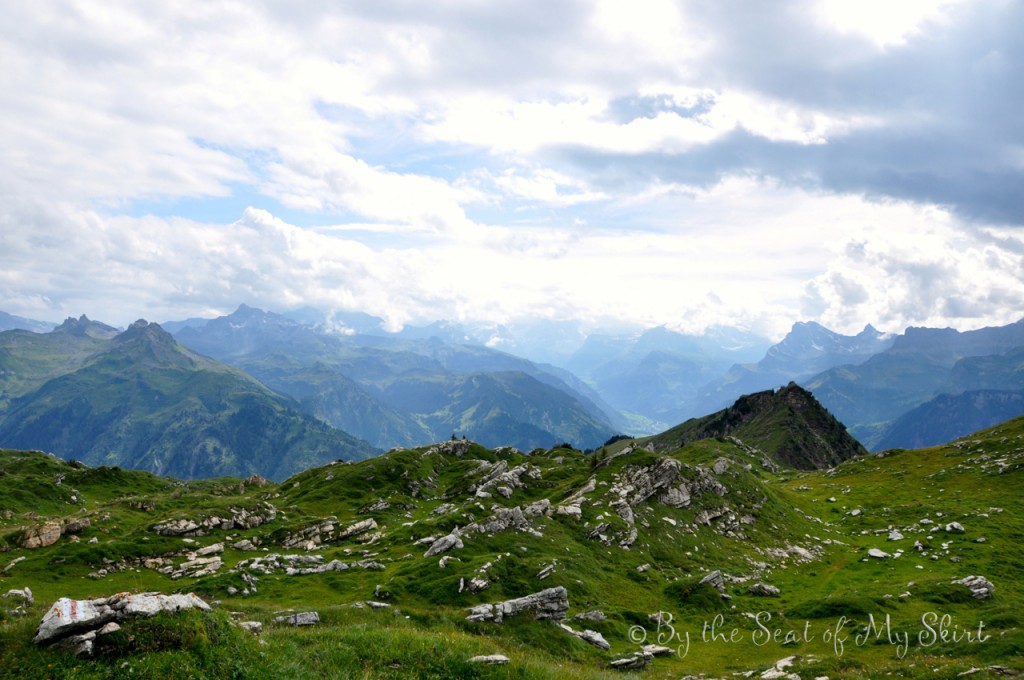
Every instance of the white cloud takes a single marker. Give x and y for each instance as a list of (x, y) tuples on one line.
[(677, 155), (882, 21)]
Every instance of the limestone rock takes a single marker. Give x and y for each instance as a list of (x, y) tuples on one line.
[(715, 580), (23, 594), (635, 662), (490, 659), (69, 617), (452, 541), (299, 619), (547, 604), (878, 554), (589, 636), (981, 588), (358, 528), (954, 528), (42, 535), (764, 590)]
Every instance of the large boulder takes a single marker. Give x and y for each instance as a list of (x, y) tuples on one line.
[(42, 535), (546, 604), (79, 621)]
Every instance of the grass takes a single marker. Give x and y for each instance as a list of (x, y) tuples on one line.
[(823, 606)]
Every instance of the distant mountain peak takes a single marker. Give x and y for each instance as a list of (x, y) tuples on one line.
[(84, 326)]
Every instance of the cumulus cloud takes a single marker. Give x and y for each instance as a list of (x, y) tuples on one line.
[(689, 163)]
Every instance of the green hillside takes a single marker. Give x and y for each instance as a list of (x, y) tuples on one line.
[(144, 402), (625, 531)]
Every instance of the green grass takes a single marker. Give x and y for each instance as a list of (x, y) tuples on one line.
[(424, 633)]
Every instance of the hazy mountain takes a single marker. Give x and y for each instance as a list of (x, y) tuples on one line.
[(949, 416), (365, 383), (809, 348), (787, 424), (10, 322), (145, 402), (654, 376), (921, 364), (29, 359)]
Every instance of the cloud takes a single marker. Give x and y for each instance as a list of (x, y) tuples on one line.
[(699, 162)]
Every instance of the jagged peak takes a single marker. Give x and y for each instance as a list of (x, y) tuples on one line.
[(84, 326)]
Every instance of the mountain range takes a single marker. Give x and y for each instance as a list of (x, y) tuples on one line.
[(138, 399), (428, 383)]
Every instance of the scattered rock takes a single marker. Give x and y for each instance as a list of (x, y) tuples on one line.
[(878, 554), (895, 535), (592, 615), (954, 528), (490, 659), (254, 627)]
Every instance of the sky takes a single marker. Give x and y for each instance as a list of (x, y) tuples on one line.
[(684, 163)]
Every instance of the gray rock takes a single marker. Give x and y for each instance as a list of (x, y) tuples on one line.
[(981, 588), (590, 636), (254, 627), (764, 590), (299, 619), (878, 554), (954, 528), (715, 580), (546, 604), (593, 615), (452, 541), (358, 528), (635, 662), (490, 659), (23, 594), (67, 617)]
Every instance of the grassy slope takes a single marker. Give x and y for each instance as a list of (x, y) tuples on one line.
[(424, 634)]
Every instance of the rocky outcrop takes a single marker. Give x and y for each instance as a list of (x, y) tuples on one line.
[(490, 659), (498, 476), (452, 541), (241, 518), (716, 580), (546, 604), (981, 588), (77, 623), (42, 535)]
